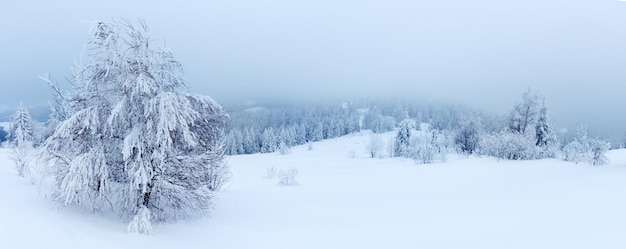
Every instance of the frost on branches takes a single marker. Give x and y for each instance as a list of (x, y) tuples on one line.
[(135, 143)]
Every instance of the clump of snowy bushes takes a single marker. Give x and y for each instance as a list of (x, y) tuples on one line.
[(509, 145), (131, 140), (528, 133), (286, 177), (424, 146), (584, 149)]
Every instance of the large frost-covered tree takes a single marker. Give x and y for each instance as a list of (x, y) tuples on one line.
[(135, 142)]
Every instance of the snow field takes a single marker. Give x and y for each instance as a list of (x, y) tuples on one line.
[(347, 200)]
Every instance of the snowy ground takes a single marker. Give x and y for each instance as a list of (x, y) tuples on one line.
[(346, 200)]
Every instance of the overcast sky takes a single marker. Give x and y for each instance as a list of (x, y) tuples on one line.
[(480, 53)]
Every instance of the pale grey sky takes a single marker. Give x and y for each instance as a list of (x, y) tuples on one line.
[(481, 53)]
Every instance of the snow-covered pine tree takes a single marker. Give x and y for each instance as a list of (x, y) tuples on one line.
[(545, 136), (21, 138), (403, 138), (21, 133), (136, 143), (268, 141)]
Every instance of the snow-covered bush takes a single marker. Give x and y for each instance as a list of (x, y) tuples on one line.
[(584, 149), (375, 146), (270, 173), (422, 149), (509, 145), (135, 143), (430, 146), (598, 151), (283, 148), (287, 177)]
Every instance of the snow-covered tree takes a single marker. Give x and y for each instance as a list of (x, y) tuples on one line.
[(468, 136), (524, 114), (403, 138), (21, 132), (545, 136), (268, 142), (21, 138), (423, 149), (375, 146), (135, 142), (598, 151)]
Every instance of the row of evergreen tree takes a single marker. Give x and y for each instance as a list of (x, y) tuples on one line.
[(265, 130)]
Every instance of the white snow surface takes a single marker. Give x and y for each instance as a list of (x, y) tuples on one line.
[(346, 200)]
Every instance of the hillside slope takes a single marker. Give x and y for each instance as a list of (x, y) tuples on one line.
[(346, 200)]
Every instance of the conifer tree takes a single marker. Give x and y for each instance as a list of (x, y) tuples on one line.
[(22, 138), (403, 138), (545, 136)]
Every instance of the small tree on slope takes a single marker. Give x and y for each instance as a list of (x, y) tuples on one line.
[(468, 136), (21, 137), (403, 138), (546, 137), (135, 143)]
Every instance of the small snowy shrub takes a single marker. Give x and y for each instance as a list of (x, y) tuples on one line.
[(586, 150), (288, 177), (510, 145), (422, 149), (270, 173), (598, 152), (219, 175), (283, 149), (21, 158), (141, 222), (375, 146), (352, 153)]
